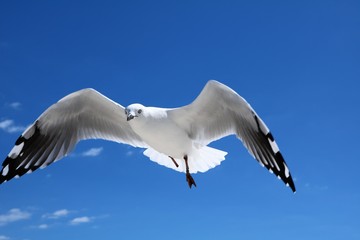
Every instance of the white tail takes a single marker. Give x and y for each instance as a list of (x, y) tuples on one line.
[(204, 159)]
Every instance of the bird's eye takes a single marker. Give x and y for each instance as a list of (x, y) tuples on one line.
[(139, 111)]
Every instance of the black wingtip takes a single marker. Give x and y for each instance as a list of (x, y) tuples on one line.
[(13, 164), (291, 184), (284, 173)]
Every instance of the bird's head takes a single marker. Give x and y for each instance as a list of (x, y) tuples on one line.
[(134, 110)]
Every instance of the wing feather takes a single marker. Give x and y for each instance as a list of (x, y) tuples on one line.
[(218, 112), (85, 114)]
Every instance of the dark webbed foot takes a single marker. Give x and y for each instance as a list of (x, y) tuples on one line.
[(190, 180)]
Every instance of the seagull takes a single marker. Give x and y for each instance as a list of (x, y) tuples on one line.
[(176, 138)]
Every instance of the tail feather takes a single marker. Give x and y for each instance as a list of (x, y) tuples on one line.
[(204, 159)]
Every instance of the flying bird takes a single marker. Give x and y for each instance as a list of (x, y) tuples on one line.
[(176, 138)]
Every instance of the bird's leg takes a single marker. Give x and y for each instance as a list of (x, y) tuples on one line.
[(176, 164), (189, 178)]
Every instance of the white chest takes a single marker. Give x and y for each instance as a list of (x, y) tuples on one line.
[(163, 135)]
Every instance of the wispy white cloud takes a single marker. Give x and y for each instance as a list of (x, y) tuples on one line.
[(14, 105), (57, 214), (80, 220), (2, 237), (9, 126), (43, 226), (316, 187), (6, 123), (129, 153), (40, 226), (92, 152), (13, 215)]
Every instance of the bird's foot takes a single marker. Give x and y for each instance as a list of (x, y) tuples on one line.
[(190, 180), (176, 164)]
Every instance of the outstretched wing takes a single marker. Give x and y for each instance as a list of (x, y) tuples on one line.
[(219, 111), (85, 114)]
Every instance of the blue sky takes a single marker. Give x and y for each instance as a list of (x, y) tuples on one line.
[(296, 62)]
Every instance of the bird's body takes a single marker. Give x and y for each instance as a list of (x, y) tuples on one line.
[(160, 133), (174, 137)]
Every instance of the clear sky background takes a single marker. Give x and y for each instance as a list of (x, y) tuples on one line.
[(296, 62)]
